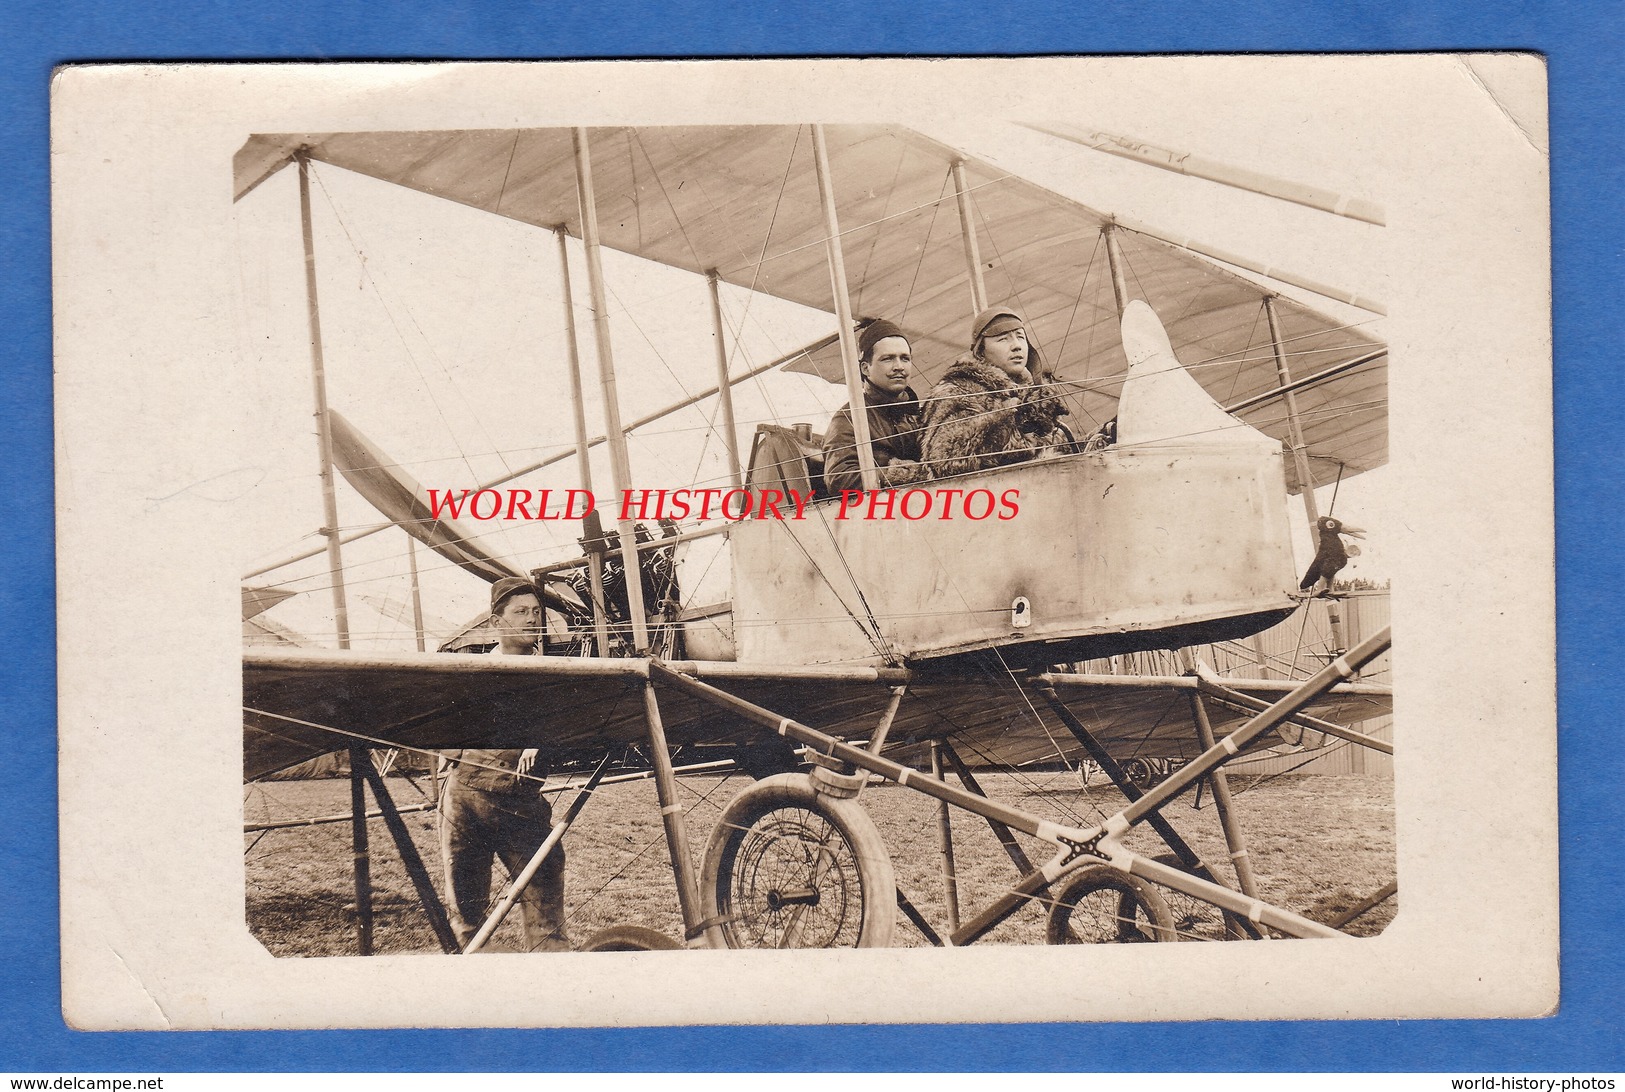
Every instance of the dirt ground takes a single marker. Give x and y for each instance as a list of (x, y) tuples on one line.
[(1318, 843)]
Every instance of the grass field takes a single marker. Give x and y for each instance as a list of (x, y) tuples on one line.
[(1318, 843)]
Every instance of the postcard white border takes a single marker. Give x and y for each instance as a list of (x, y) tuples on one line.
[(149, 663)]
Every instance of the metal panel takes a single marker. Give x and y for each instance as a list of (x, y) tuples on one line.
[(1119, 541)]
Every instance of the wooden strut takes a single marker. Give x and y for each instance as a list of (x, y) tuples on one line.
[(1100, 843), (324, 426), (619, 461), (858, 756), (1147, 807), (1378, 897), (595, 563), (850, 781), (417, 592), (361, 854), (321, 820), (1294, 426), (1300, 462), (1263, 269), (428, 897), (1066, 682), (1235, 839), (1114, 262), (1215, 688), (903, 775), (1103, 758), (616, 779), (1006, 839), (912, 913), (517, 884), (725, 397), (945, 839), (696, 931), (1027, 888), (1313, 380), (967, 232), (1343, 667), (1254, 910), (843, 311)]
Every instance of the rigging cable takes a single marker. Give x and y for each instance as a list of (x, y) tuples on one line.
[(366, 269)]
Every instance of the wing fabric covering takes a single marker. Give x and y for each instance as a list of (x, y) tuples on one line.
[(257, 601), (400, 499), (743, 201), (572, 705)]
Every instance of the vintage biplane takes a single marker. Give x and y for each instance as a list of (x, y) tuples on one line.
[(899, 649)]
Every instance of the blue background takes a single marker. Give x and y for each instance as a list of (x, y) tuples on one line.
[(1586, 55)]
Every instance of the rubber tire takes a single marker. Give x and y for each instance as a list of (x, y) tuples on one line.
[(1215, 923), (1139, 773), (629, 938), (790, 793), (1132, 895)]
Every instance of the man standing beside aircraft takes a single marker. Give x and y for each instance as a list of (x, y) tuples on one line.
[(490, 805), (886, 364)]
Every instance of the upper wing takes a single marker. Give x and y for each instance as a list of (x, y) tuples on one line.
[(299, 703), (743, 201)]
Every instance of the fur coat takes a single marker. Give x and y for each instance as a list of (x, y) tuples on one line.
[(967, 424)]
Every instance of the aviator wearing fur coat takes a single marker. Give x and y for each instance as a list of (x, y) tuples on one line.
[(987, 410)]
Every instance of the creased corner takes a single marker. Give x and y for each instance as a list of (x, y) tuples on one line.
[(1537, 141), (163, 1023)]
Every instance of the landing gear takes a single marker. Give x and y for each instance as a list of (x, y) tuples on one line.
[(1100, 905), (1193, 918), (790, 867), (1140, 773)]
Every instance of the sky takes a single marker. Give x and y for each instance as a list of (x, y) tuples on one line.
[(443, 342)]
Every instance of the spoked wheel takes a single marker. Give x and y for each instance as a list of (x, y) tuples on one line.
[(1193, 918), (1139, 773), (788, 867), (1100, 905)]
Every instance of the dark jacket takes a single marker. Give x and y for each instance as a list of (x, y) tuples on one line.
[(966, 424), (894, 434), (487, 769)]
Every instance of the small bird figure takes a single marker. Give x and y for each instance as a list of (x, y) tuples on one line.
[(1331, 556)]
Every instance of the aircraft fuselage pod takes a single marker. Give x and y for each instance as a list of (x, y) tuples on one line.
[(1177, 534)]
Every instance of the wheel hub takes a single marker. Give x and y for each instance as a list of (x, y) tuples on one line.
[(795, 896)]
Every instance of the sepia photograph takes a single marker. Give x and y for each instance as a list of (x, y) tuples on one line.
[(1021, 566), (1073, 649)]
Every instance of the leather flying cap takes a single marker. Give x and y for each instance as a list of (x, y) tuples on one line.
[(993, 322), (877, 331), (508, 587)]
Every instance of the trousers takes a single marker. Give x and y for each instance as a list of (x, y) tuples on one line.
[(478, 824)]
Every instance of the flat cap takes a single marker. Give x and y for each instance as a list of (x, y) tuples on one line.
[(989, 324), (510, 586)]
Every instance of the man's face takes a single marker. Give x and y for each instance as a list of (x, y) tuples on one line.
[(1007, 352), (890, 365), (519, 620)]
